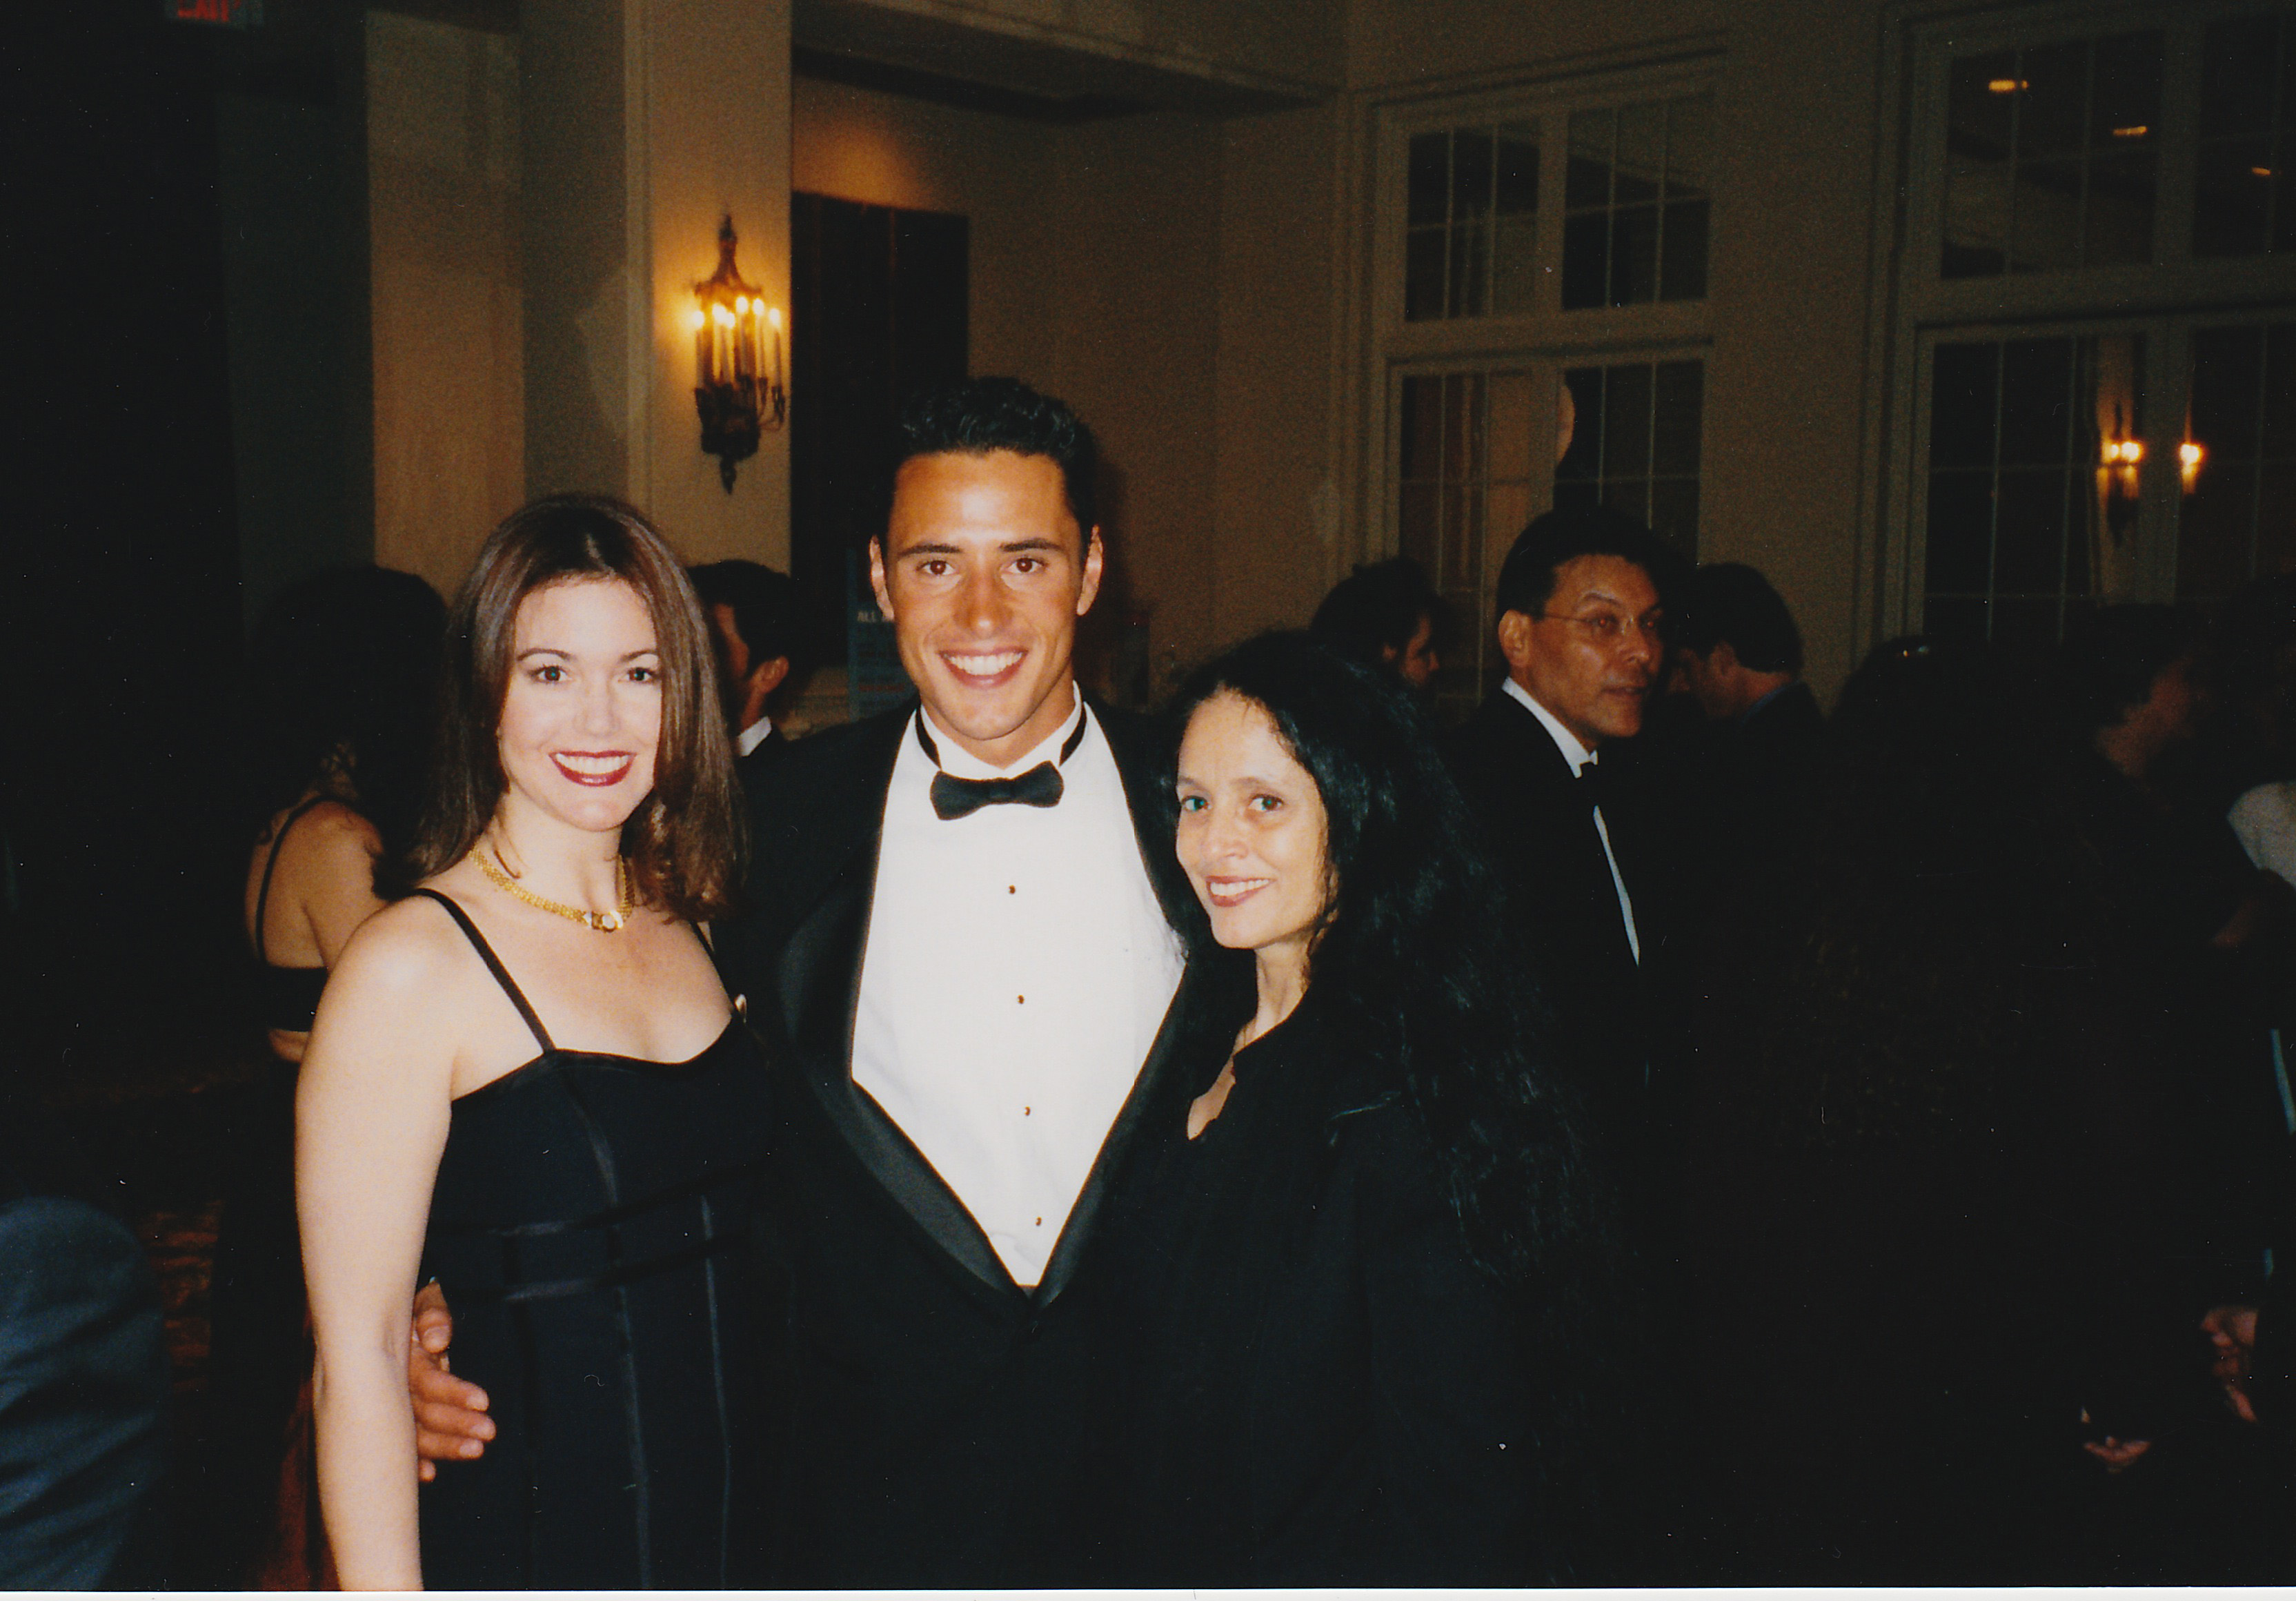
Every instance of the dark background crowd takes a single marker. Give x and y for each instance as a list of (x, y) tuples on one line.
[(1964, 1122)]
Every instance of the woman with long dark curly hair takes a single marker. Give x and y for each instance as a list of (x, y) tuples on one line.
[(1362, 1249)]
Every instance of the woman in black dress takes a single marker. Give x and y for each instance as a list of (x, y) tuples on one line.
[(1356, 1267), (527, 1080)]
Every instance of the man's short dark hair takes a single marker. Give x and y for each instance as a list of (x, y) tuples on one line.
[(976, 416), (1729, 602), (2111, 657), (1527, 578), (1376, 608), (764, 605)]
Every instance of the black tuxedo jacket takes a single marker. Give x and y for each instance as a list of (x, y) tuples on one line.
[(932, 1409), (753, 767), (1538, 828), (1617, 1024)]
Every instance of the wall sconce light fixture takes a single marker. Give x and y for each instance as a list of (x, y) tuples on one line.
[(737, 362), (2124, 455)]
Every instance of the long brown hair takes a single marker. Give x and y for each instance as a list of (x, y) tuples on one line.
[(685, 841)]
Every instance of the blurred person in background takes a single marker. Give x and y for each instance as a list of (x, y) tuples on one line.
[(754, 625), (1893, 1327), (1385, 615), (1593, 896), (1745, 789), (1952, 1227), (1740, 655), (84, 1374), (341, 669)]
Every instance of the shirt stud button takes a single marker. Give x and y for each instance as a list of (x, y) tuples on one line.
[(1020, 1000)]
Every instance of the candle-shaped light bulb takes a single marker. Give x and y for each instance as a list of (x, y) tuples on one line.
[(774, 316), (694, 319)]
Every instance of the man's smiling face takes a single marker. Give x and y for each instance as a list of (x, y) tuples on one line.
[(984, 572)]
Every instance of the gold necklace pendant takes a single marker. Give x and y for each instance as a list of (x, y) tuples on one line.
[(497, 872)]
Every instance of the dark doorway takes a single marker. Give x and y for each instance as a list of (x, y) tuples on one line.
[(878, 299)]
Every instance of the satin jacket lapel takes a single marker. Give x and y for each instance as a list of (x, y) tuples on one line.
[(820, 979)]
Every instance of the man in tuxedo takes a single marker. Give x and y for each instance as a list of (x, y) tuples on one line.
[(1578, 620), (957, 944), (754, 625), (1580, 625)]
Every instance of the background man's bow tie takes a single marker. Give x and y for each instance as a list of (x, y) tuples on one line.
[(1040, 786)]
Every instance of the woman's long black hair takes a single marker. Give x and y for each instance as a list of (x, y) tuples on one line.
[(1418, 972)]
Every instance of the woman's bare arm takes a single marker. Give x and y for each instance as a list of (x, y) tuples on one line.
[(372, 1109)]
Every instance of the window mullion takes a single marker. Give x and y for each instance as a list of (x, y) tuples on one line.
[(1993, 504), (2178, 160), (1450, 214)]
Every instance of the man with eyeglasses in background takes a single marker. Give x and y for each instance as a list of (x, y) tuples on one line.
[(1579, 605)]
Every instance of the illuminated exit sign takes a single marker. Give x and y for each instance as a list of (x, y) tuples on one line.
[(217, 13)]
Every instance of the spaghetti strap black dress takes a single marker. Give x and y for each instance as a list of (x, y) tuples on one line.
[(589, 1227)]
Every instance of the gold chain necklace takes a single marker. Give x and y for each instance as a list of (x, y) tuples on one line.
[(604, 922)]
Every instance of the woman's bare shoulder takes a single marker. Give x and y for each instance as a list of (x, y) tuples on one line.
[(410, 946), (395, 1001), (334, 824)]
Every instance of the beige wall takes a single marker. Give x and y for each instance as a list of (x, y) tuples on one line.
[(883, 151), (646, 122), (442, 218), (1094, 269), (1137, 321), (1793, 308), (716, 142), (1283, 519), (1294, 41)]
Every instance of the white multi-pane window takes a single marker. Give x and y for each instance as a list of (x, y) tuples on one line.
[(2094, 380), (1540, 326)]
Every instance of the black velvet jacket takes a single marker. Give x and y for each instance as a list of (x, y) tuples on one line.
[(1307, 1380)]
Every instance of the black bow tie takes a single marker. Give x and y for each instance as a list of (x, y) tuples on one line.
[(1040, 786)]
